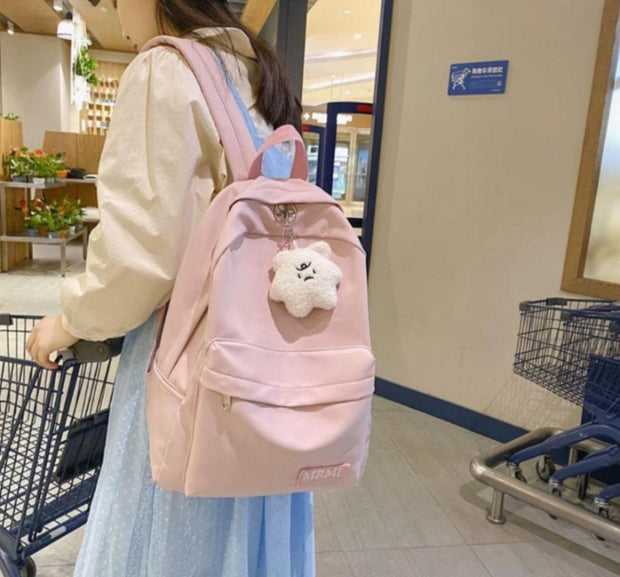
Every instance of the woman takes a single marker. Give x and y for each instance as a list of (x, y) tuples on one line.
[(161, 165)]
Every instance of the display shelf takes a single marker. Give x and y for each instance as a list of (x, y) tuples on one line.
[(31, 185), (24, 237), (96, 115), (79, 180), (59, 242)]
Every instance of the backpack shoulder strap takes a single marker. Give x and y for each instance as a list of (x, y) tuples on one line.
[(238, 145)]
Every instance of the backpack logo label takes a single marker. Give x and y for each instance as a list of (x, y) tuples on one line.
[(318, 474)]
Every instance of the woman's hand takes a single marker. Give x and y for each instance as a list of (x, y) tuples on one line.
[(47, 336)]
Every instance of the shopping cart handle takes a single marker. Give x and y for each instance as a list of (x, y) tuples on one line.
[(96, 352)]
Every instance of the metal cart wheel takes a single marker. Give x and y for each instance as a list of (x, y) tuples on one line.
[(519, 476), (556, 492), (516, 473), (29, 569), (545, 468)]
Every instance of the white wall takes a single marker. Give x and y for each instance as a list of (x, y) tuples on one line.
[(35, 83), (70, 117), (475, 195)]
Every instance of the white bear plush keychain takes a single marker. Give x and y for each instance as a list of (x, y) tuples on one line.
[(305, 279)]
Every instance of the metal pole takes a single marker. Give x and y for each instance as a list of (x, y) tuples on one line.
[(291, 40), (496, 514)]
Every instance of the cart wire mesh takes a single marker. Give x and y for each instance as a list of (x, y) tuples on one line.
[(561, 346), (52, 431), (602, 390)]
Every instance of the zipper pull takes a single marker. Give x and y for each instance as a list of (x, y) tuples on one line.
[(226, 402)]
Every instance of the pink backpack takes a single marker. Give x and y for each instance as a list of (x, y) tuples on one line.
[(262, 376)]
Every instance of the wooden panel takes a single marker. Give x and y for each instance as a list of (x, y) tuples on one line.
[(87, 193), (62, 142), (15, 219), (256, 13), (10, 136), (111, 69), (82, 151), (90, 147), (32, 16), (67, 142), (15, 223), (103, 25)]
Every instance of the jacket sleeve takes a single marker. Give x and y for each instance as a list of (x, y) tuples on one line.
[(161, 163)]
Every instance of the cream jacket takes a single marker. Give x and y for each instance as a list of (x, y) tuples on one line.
[(161, 164)]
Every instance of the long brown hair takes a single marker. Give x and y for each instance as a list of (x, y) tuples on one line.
[(275, 98)]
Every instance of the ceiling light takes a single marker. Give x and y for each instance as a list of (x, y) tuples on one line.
[(358, 36), (10, 28), (65, 28), (58, 5), (347, 11)]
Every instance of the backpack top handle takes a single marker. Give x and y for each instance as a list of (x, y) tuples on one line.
[(283, 134)]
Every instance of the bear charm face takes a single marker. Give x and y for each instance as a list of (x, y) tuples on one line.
[(305, 279), (301, 271)]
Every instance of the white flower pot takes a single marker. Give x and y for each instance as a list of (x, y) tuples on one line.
[(38, 181)]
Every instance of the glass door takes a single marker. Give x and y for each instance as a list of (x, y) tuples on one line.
[(346, 151), (312, 139)]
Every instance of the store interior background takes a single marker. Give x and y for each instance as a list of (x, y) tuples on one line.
[(475, 195)]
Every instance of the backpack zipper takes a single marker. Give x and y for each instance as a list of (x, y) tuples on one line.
[(226, 402), (285, 214)]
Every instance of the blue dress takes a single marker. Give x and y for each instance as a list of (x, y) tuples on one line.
[(136, 529)]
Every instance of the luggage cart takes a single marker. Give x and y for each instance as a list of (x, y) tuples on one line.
[(572, 348), (52, 432)]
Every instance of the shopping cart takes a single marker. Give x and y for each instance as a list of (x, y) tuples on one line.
[(572, 348), (52, 432)]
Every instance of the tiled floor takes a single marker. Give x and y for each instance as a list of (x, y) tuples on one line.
[(418, 512)]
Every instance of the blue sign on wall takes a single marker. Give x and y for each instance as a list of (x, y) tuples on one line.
[(478, 78)]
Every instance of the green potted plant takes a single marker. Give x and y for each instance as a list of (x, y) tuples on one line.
[(50, 167), (34, 224), (73, 214), (57, 161), (32, 211), (40, 166), (43, 210), (45, 167), (63, 219), (19, 164), (85, 66), (25, 210), (52, 221)]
